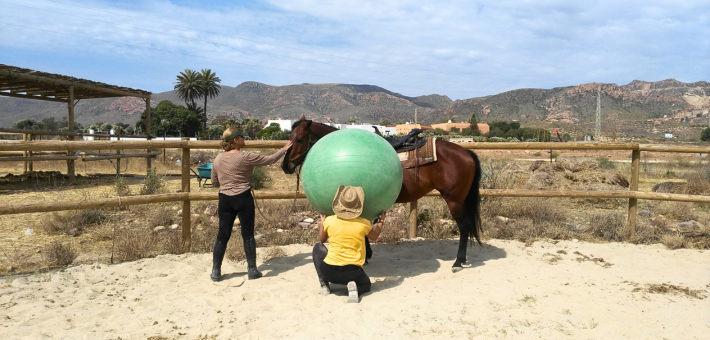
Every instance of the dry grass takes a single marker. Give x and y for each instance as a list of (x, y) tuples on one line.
[(135, 244), (59, 254), (60, 223)]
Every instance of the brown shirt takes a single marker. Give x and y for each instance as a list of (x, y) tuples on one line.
[(232, 172)]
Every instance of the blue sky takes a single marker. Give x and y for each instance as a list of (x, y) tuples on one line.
[(461, 49)]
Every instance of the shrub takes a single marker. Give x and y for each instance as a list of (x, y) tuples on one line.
[(121, 186), (58, 254), (153, 183), (134, 244), (605, 163), (60, 223), (261, 177), (608, 226)]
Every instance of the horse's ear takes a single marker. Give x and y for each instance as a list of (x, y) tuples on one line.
[(303, 117)]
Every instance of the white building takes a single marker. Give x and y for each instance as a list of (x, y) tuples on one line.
[(285, 124)]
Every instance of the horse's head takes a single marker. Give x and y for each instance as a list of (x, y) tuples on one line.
[(302, 138)]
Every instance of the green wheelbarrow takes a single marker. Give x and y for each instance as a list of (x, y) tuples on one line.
[(204, 174)]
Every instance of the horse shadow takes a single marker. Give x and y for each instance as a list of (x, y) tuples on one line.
[(391, 264)]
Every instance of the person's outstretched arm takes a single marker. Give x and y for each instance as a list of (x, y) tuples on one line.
[(377, 228), (259, 160), (322, 235)]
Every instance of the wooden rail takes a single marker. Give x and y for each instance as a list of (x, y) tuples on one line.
[(633, 195)]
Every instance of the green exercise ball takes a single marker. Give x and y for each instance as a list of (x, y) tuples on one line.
[(352, 157)]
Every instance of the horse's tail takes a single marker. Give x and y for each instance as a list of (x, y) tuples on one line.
[(472, 204)]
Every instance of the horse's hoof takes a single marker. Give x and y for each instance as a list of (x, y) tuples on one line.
[(456, 269)]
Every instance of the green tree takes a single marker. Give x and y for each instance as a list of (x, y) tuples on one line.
[(28, 124), (705, 135), (171, 119), (210, 88), (215, 131), (268, 131), (385, 122), (251, 127), (188, 86), (281, 135), (473, 121), (50, 124), (219, 120)]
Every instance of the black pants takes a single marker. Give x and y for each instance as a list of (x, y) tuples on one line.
[(339, 274), (229, 208)]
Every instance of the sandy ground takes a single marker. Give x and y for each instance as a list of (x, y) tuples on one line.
[(551, 290)]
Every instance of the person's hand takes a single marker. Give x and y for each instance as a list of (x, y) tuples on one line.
[(322, 218), (382, 216), (287, 146)]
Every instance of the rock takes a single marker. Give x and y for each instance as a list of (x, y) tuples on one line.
[(279, 230), (686, 234), (211, 210), (688, 226), (670, 188), (645, 212), (502, 219), (174, 226), (259, 237), (575, 240), (309, 220), (195, 216), (159, 228), (10, 269), (179, 212), (304, 225), (73, 232), (29, 231)]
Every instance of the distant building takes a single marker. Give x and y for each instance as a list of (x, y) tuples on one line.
[(406, 128), (483, 127), (668, 135)]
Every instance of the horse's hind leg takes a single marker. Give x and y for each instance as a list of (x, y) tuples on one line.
[(456, 210)]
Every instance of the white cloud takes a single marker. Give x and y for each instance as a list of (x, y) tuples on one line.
[(458, 48)]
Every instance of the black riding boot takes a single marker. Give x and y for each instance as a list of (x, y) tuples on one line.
[(250, 251), (217, 256)]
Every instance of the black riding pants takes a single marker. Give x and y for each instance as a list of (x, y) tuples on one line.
[(229, 208), (339, 274)]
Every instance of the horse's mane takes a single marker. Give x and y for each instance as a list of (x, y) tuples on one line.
[(298, 122)]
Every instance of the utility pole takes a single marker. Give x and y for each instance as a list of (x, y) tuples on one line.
[(598, 127)]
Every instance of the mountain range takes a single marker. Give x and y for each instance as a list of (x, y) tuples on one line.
[(645, 106)]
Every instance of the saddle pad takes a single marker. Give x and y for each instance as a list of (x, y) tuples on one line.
[(427, 154)]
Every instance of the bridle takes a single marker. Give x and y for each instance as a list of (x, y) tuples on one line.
[(311, 141)]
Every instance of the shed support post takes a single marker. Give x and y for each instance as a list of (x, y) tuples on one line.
[(24, 153), (413, 219), (186, 214), (634, 186)]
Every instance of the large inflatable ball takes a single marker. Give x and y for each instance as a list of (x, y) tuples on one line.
[(352, 157)]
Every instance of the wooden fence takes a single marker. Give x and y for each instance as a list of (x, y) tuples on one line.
[(633, 195)]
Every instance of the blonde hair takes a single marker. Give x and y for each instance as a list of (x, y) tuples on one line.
[(230, 145)]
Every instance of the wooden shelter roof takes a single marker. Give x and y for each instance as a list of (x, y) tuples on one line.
[(25, 83)]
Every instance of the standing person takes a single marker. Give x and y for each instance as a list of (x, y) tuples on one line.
[(346, 230), (232, 174)]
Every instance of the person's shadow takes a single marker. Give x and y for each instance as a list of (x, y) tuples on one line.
[(392, 263)]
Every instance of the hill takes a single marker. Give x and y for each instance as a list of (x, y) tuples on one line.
[(645, 107)]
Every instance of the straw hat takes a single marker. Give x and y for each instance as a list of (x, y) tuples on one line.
[(348, 202)]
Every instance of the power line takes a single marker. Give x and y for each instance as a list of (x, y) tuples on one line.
[(198, 56), (251, 40)]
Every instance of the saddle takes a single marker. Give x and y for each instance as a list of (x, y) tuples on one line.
[(405, 143), (412, 151)]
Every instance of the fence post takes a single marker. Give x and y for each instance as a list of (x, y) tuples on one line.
[(634, 186), (413, 219), (31, 166), (118, 152), (186, 214), (24, 153)]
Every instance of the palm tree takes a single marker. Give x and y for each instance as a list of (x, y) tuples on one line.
[(210, 88), (188, 86)]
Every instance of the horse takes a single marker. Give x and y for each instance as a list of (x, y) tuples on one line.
[(456, 175)]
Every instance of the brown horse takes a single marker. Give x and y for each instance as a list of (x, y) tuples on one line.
[(456, 175)]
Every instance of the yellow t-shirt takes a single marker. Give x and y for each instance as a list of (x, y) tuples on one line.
[(347, 240)]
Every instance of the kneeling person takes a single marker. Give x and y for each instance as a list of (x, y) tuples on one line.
[(346, 231)]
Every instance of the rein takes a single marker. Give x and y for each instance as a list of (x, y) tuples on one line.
[(298, 184)]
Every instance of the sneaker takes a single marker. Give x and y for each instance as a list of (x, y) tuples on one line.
[(324, 290), (352, 292)]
